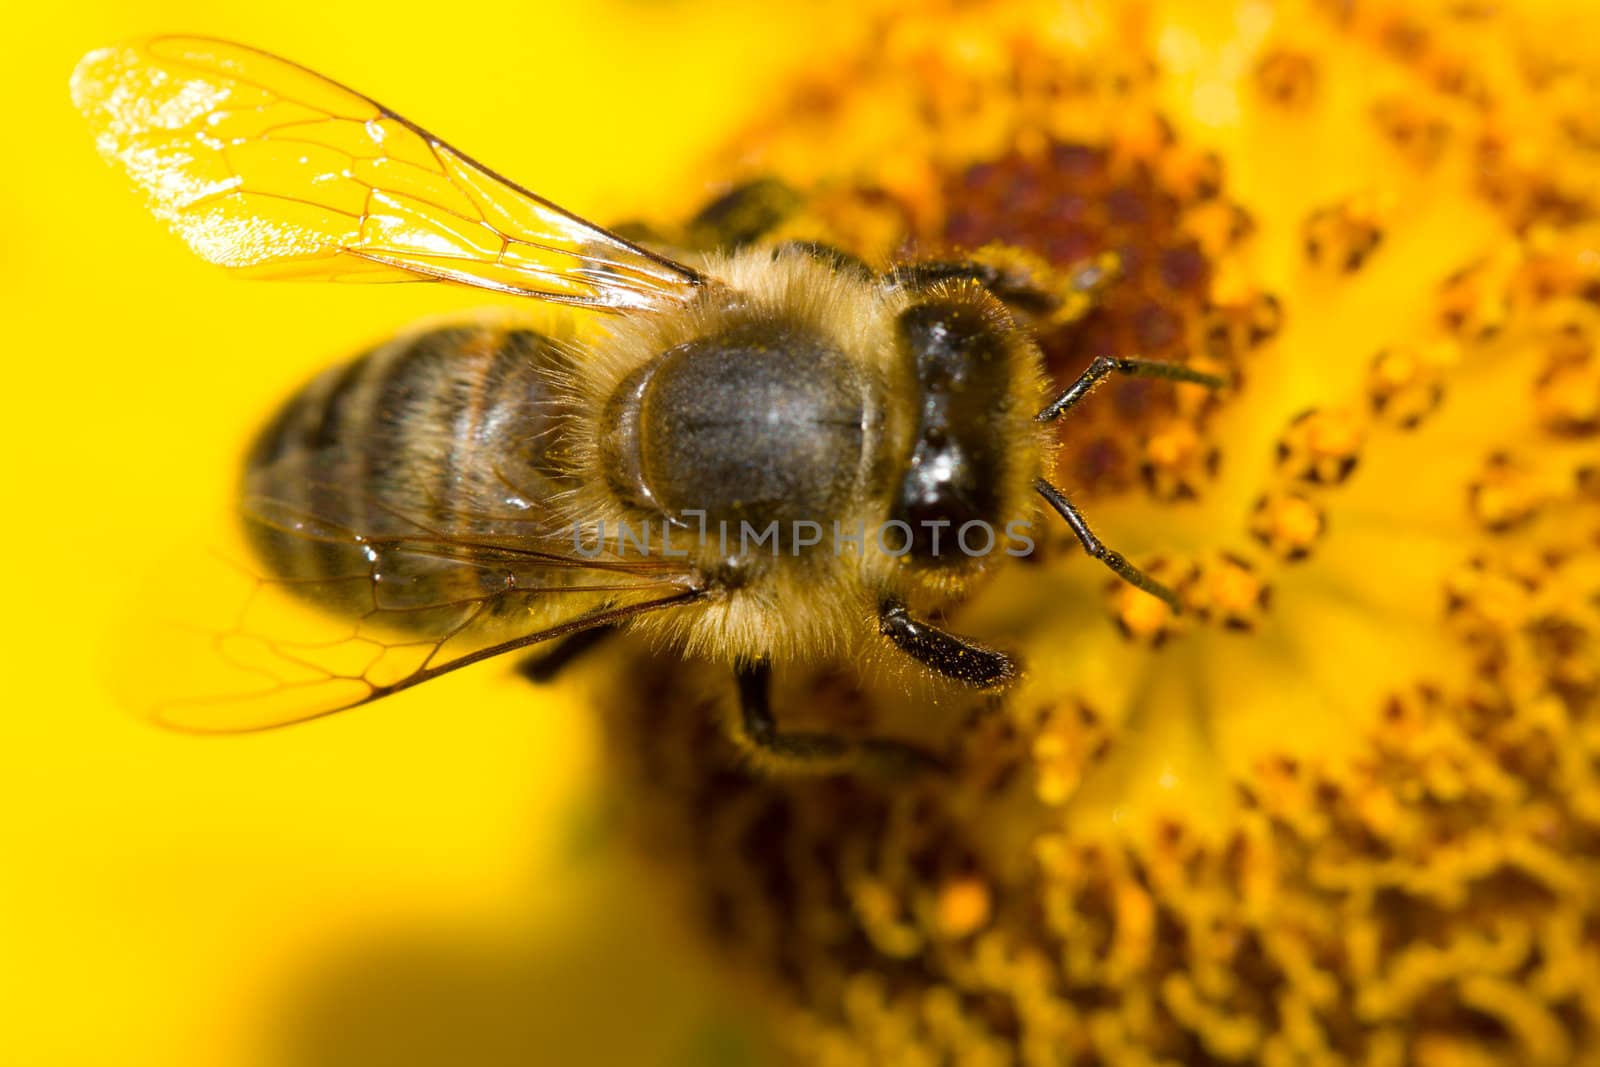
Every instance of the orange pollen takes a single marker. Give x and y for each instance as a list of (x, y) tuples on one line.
[(963, 906)]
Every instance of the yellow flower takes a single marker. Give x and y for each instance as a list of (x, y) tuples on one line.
[(1345, 809)]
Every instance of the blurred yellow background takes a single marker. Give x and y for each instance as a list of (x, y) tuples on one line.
[(413, 883)]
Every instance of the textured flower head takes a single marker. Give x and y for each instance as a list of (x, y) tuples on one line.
[(1344, 809)]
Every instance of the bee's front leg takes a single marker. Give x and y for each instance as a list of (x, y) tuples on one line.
[(957, 658)]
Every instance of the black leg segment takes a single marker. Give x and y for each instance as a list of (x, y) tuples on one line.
[(954, 657), (743, 214), (547, 664), (837, 258), (1031, 288), (756, 730), (1009, 287), (757, 726)]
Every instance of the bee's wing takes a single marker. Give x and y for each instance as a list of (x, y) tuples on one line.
[(262, 166), (387, 597)]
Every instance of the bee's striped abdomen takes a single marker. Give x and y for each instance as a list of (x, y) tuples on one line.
[(453, 432)]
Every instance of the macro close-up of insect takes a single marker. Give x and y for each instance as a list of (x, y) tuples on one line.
[(1003, 533), (839, 449)]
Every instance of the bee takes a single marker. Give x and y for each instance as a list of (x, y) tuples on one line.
[(793, 453)]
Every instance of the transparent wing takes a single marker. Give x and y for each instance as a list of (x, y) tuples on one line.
[(328, 601), (267, 168)]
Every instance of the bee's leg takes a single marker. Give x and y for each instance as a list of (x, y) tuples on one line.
[(1020, 281), (957, 658), (837, 258), (545, 665), (735, 219), (743, 214), (757, 726), (757, 732), (1092, 545), (1102, 367)]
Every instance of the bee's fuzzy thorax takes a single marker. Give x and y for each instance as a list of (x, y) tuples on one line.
[(818, 604), (793, 607)]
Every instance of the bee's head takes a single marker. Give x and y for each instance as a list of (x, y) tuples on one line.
[(965, 496)]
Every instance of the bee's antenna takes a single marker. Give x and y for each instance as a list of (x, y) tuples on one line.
[(1093, 545), (1099, 369), (1102, 367)]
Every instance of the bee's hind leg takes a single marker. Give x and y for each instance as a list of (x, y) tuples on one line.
[(547, 664), (756, 731)]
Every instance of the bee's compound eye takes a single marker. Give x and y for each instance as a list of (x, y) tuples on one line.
[(959, 461), (758, 423)]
